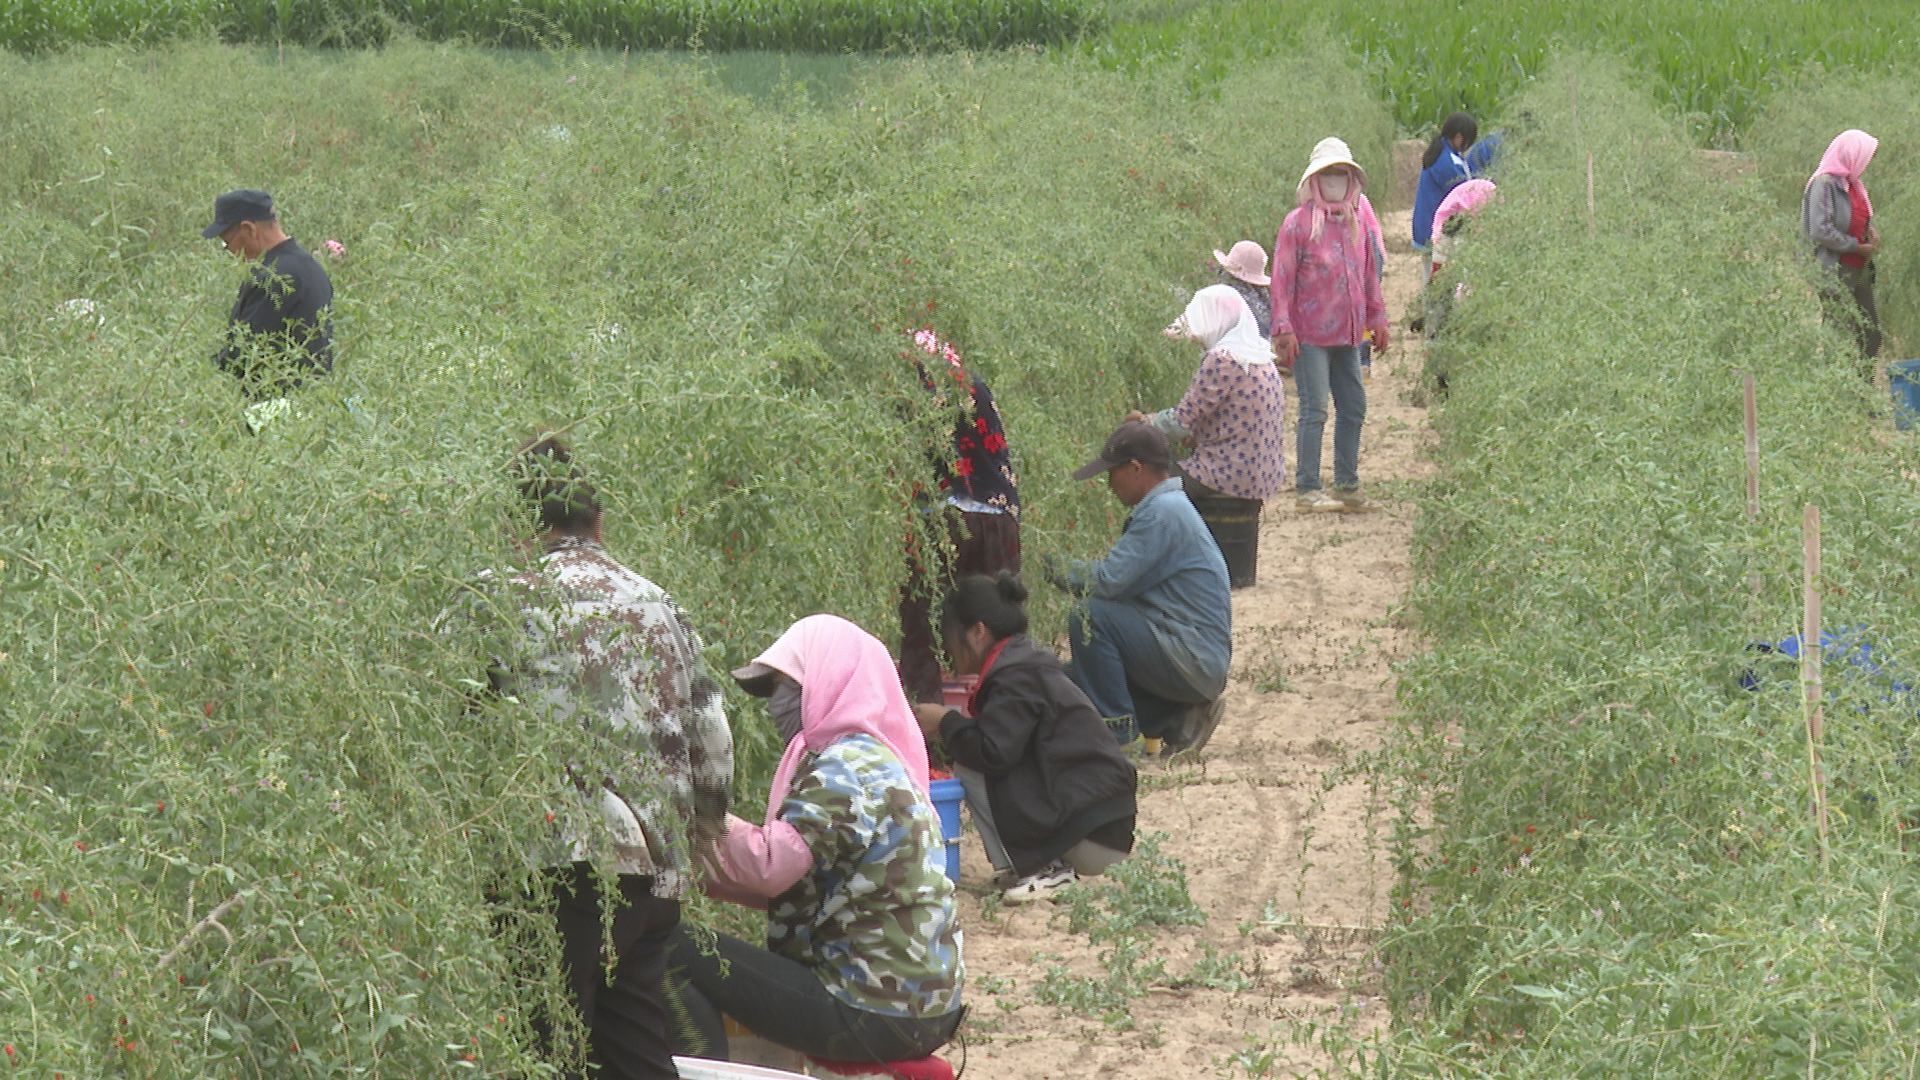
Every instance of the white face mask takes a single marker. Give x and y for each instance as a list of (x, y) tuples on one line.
[(1333, 186)]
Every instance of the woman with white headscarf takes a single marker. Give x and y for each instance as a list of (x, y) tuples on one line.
[(1233, 413)]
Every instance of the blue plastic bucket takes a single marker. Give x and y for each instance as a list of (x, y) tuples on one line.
[(947, 797), (1904, 378)]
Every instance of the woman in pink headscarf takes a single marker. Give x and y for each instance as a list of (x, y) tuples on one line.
[(1836, 216), (862, 957)]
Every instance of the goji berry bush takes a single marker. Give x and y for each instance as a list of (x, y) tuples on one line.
[(253, 814), (1611, 862)]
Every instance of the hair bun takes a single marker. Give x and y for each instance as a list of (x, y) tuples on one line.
[(1010, 587)]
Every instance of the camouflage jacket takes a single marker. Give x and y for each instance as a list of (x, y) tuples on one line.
[(608, 653), (874, 918)]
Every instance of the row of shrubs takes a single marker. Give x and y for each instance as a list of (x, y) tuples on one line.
[(220, 672), (1611, 867), (807, 25)]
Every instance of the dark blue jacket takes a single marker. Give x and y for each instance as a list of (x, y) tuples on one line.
[(1435, 181)]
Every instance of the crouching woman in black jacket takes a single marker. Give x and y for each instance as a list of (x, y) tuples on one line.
[(1052, 794)]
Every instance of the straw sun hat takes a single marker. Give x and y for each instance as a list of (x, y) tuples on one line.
[(1329, 152), (1247, 261)]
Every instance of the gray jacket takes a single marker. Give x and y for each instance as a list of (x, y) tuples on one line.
[(1825, 216)]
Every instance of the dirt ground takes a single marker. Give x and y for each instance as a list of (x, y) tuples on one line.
[(1284, 850)]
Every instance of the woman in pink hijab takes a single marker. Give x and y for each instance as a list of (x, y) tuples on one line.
[(1836, 215), (862, 955)]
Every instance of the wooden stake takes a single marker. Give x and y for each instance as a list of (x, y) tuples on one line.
[(1593, 225), (1753, 470), (1753, 451), (1811, 658)]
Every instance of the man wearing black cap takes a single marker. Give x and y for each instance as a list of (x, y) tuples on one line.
[(280, 331), (1153, 636)]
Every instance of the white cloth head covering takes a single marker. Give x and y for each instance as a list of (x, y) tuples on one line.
[(1220, 321)]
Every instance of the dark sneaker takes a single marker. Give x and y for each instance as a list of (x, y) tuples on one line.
[(1124, 729), (1202, 721), (1353, 502)]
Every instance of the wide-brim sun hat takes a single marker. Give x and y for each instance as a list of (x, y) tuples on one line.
[(1247, 261), (1329, 152)]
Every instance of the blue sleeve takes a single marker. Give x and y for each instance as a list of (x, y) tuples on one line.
[(1133, 564), (1481, 155)]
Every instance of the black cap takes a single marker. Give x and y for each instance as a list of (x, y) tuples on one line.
[(1131, 441), (246, 204)]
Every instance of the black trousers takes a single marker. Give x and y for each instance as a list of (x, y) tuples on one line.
[(627, 1023), (1850, 306), (786, 1003)]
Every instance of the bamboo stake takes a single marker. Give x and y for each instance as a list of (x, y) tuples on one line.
[(1811, 658)]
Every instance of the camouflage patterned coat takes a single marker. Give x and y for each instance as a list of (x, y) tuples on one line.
[(608, 651), (874, 918)]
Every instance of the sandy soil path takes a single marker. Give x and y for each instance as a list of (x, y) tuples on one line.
[(1284, 844)]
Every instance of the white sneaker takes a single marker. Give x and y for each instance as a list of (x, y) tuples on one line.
[(1318, 501), (1040, 886)]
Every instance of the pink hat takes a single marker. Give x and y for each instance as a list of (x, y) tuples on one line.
[(1247, 261)]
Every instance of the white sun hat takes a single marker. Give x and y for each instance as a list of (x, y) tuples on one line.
[(1329, 152)]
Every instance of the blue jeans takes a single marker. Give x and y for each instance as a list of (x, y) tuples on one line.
[(1321, 369), (1119, 664)]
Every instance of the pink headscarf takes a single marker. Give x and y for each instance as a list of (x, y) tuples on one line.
[(1847, 157), (848, 686), (1465, 198)]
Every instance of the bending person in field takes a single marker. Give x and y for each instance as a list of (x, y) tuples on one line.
[(1442, 168), (861, 962), (610, 659), (1052, 794), (1836, 215), (280, 331), (1326, 300), (1449, 221), (1153, 634), (976, 510)]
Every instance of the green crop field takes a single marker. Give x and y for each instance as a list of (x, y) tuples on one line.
[(219, 674), (220, 681), (811, 25), (1714, 62), (1621, 875)]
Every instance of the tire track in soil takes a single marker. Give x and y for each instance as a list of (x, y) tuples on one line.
[(1265, 822)]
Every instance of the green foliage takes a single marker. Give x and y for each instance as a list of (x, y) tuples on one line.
[(1121, 914), (818, 25), (1794, 131), (1714, 62), (1619, 875), (219, 676)]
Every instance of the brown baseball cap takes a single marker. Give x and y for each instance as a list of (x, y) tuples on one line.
[(1131, 441)]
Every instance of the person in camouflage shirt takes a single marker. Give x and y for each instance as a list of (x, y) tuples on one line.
[(862, 962), (607, 655)]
